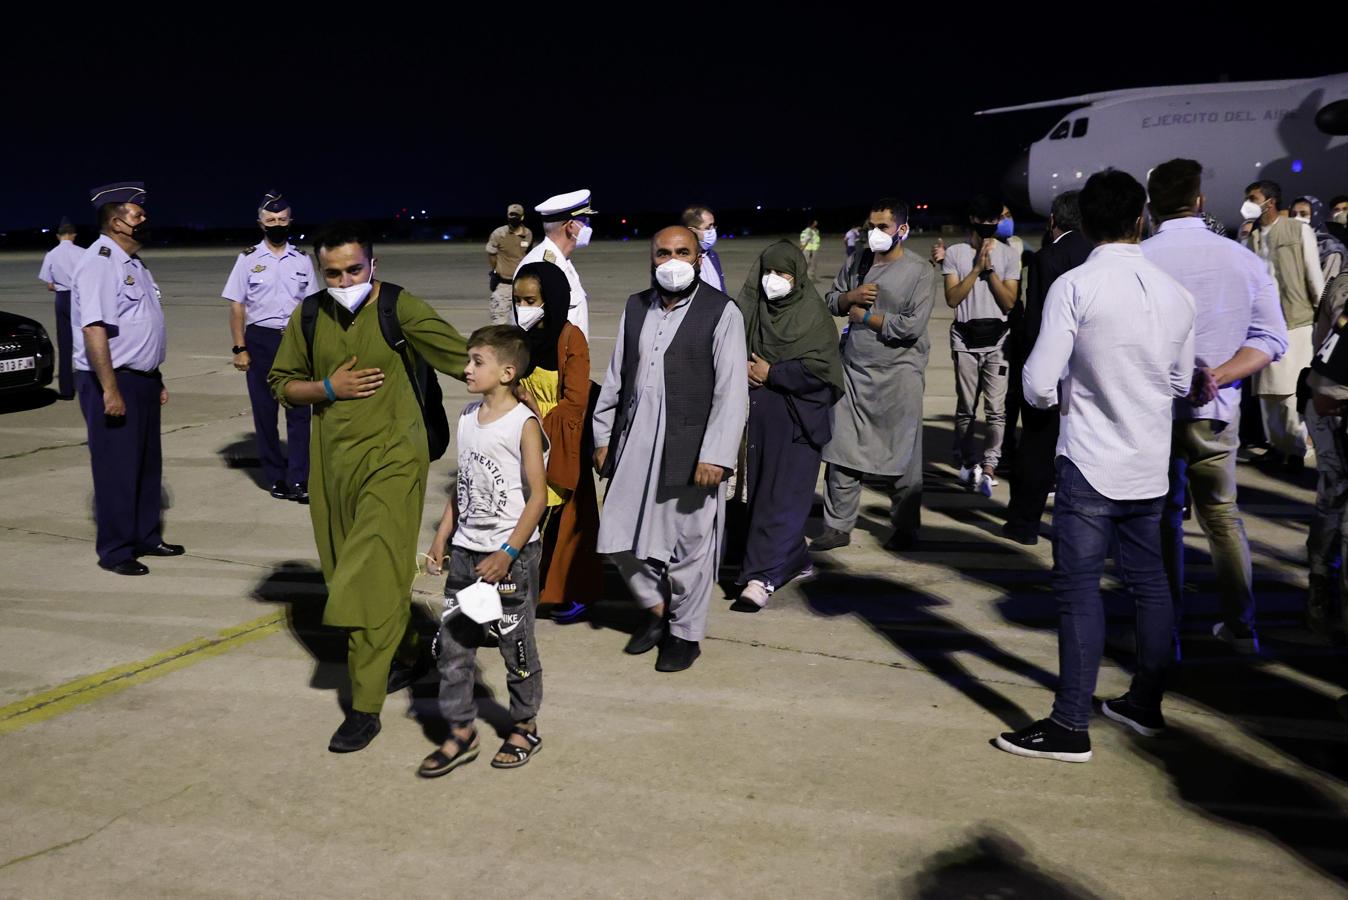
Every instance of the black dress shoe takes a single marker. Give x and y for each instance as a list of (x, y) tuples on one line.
[(280, 491), (647, 636), (355, 733), (1025, 536), (901, 541), (401, 675), (676, 654), (130, 567), (830, 539), (162, 549), (299, 492)]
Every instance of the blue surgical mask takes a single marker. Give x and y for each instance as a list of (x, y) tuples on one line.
[(1006, 227)]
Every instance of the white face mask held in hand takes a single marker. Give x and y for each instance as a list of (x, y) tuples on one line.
[(480, 602), (775, 286), (527, 317), (675, 275)]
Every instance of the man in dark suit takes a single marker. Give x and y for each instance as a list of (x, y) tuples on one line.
[(1032, 475)]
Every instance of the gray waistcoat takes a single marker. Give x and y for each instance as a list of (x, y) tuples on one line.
[(690, 380)]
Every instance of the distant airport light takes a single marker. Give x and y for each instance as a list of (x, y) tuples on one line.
[(1296, 166), (1055, 174), (444, 237), (759, 206), (624, 221), (1078, 175), (45, 230), (1258, 165)]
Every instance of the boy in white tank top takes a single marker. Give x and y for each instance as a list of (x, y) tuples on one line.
[(493, 519)]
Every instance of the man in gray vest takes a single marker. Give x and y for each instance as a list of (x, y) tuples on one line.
[(667, 430), (1289, 249)]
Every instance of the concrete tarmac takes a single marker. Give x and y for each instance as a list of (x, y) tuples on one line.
[(166, 736)]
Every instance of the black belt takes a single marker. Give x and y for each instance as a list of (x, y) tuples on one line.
[(153, 373)]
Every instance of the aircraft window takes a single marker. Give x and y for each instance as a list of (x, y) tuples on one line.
[(1060, 132), (1079, 127)]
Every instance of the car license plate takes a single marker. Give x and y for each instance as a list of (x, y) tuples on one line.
[(17, 365)]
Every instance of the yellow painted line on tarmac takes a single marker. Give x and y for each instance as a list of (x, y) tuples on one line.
[(73, 694)]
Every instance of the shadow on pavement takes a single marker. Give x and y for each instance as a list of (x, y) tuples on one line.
[(988, 865), (242, 454)]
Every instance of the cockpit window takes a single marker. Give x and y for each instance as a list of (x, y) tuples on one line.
[(1079, 127), (1061, 131)]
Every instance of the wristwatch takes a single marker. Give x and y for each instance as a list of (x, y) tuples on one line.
[(240, 349)]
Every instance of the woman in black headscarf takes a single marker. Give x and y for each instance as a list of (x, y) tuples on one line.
[(795, 377), (559, 380)]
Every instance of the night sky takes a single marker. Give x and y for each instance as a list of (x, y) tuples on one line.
[(458, 116)]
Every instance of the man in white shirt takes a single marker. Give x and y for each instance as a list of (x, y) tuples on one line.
[(1238, 330), (1115, 350), (566, 227)]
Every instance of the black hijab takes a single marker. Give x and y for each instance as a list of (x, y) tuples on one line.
[(543, 337)]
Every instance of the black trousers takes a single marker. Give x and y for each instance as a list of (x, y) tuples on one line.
[(127, 463), (293, 466), (65, 375), (1033, 470)]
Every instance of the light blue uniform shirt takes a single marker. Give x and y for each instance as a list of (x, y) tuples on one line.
[(58, 266), (270, 286), (117, 290), (1235, 300)]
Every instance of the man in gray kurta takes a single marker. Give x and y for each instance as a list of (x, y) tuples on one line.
[(672, 411), (887, 296)]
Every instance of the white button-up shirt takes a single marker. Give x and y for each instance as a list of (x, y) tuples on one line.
[(1117, 343)]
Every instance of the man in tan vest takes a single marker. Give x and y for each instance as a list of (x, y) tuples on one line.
[(1293, 258)]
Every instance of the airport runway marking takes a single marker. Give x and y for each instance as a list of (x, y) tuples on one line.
[(73, 694)]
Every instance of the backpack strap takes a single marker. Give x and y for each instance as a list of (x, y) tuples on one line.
[(392, 330), (308, 322)]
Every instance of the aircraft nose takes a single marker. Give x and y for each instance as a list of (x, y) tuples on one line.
[(1016, 183)]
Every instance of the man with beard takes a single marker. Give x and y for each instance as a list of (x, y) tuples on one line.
[(267, 283), (369, 460), (667, 430)]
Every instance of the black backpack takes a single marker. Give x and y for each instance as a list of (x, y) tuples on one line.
[(419, 372)]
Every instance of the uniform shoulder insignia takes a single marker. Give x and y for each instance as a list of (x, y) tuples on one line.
[(248, 251), (105, 251), (548, 256)]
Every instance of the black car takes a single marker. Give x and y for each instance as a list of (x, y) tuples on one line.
[(26, 358)]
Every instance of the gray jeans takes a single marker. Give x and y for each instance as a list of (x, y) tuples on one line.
[(980, 374), (460, 637)]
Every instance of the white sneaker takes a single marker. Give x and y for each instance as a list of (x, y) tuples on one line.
[(757, 593), (969, 477), (986, 483)]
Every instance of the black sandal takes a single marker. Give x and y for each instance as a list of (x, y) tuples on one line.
[(522, 754), (439, 763)]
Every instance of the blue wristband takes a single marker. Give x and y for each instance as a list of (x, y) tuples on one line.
[(866, 319), (510, 551), (327, 386)]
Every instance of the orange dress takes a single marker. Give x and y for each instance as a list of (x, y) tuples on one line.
[(572, 570)]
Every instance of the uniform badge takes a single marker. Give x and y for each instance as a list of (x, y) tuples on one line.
[(248, 251), (105, 251), (129, 280), (259, 268), (549, 256)]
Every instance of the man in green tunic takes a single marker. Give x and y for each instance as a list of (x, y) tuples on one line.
[(368, 460)]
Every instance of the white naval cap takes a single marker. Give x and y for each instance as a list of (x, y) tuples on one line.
[(565, 206)]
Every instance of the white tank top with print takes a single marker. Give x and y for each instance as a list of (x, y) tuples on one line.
[(491, 490)]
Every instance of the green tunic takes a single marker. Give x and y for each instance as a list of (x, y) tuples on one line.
[(368, 459)]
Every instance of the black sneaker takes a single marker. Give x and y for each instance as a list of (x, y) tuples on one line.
[(299, 492), (830, 539), (1047, 739), (280, 491), (1148, 723)]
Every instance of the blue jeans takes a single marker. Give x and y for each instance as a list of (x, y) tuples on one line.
[(1086, 524)]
